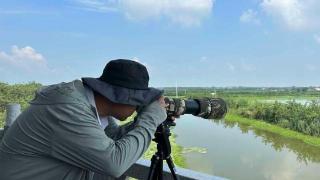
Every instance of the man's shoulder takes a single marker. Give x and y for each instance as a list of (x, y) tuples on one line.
[(61, 93)]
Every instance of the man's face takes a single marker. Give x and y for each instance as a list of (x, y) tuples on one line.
[(107, 108), (123, 111)]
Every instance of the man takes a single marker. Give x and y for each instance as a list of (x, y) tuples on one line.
[(68, 132)]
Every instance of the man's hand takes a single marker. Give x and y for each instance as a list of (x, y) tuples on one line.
[(162, 102), (164, 105)]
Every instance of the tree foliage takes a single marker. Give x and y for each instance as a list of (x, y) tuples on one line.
[(17, 93)]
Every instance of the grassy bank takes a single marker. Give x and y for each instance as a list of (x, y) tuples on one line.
[(314, 141), (176, 152), (303, 118), (1, 119)]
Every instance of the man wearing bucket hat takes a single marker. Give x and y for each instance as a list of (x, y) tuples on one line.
[(68, 132)]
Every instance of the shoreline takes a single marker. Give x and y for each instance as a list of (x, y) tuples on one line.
[(259, 124)]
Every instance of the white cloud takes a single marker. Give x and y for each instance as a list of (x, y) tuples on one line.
[(231, 67), (317, 38), (311, 67), (204, 59), (247, 67), (23, 58), (183, 12), (285, 167), (250, 16), (21, 11), (25, 64), (241, 66), (294, 14), (98, 5)]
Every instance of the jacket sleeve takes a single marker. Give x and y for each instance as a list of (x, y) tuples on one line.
[(79, 140), (115, 131)]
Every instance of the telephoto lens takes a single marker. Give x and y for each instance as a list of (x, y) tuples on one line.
[(207, 108)]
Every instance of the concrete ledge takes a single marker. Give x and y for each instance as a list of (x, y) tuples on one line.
[(140, 170)]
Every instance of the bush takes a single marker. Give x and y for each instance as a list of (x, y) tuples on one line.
[(298, 117)]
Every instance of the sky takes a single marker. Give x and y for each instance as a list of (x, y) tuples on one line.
[(206, 43)]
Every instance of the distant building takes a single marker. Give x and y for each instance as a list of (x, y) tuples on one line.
[(317, 88)]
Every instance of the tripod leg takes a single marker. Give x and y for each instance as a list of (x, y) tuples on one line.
[(154, 166), (160, 170), (172, 168), (163, 150)]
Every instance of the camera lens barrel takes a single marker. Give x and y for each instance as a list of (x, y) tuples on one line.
[(207, 108), (192, 107)]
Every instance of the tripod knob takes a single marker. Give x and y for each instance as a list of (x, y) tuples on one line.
[(170, 122)]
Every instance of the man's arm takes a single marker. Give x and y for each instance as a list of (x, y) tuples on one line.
[(79, 140), (115, 131)]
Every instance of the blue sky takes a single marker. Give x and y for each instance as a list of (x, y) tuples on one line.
[(191, 42)]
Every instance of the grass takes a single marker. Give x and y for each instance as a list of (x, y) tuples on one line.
[(314, 141), (1, 119), (176, 152)]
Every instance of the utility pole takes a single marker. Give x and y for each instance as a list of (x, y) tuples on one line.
[(176, 89)]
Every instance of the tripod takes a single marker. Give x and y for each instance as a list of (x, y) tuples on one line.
[(163, 152)]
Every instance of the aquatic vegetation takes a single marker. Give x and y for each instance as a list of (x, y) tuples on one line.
[(194, 149)]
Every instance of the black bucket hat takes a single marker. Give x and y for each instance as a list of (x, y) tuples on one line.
[(124, 81)]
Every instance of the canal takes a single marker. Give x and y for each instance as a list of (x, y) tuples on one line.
[(238, 151)]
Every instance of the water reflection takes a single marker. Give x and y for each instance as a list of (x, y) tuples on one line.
[(238, 151), (304, 152)]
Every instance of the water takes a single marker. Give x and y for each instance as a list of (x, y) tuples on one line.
[(237, 151)]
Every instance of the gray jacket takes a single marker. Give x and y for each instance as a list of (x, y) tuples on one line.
[(58, 137)]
